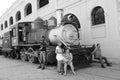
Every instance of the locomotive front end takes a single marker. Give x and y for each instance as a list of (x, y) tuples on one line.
[(67, 34), (70, 34)]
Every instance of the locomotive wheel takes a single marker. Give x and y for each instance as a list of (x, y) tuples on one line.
[(12, 55), (5, 54), (51, 57), (23, 56), (17, 56), (31, 59), (9, 56)]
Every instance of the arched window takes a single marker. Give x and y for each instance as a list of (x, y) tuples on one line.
[(28, 9), (98, 16), (11, 20), (42, 3), (18, 16), (1, 26), (6, 24)]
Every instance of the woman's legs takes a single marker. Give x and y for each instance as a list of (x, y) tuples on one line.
[(72, 68), (62, 68), (59, 66), (65, 68)]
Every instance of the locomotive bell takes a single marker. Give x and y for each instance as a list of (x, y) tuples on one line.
[(52, 22)]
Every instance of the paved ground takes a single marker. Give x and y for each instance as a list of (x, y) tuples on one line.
[(17, 70)]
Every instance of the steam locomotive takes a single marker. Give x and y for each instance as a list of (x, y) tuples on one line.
[(25, 38)]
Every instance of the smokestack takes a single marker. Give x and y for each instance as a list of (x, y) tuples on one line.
[(59, 14)]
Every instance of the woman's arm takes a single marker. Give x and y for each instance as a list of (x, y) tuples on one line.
[(56, 51), (71, 57)]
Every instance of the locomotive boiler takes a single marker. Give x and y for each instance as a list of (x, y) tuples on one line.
[(25, 39)]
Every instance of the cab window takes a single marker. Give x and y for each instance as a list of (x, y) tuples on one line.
[(14, 32), (20, 34)]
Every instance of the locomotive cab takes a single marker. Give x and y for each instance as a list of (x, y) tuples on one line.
[(19, 33), (7, 41)]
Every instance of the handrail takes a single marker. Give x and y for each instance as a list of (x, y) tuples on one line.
[(58, 37)]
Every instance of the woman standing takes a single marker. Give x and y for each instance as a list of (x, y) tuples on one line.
[(59, 57), (68, 61)]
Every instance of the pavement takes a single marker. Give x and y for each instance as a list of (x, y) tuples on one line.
[(11, 69)]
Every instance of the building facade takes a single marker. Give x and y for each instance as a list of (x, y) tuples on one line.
[(99, 20)]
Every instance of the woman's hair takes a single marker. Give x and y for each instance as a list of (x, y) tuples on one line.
[(58, 44), (98, 44), (43, 37), (64, 48)]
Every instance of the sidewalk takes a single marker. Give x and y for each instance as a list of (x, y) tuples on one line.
[(18, 70), (95, 72)]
